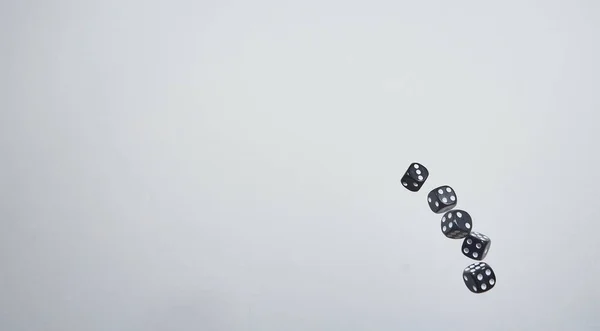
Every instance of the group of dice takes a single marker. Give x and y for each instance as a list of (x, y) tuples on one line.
[(456, 224)]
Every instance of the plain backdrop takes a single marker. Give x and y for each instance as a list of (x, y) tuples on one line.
[(235, 165)]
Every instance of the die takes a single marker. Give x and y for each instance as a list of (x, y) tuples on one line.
[(415, 177), (476, 246), (442, 199), (479, 277), (456, 224)]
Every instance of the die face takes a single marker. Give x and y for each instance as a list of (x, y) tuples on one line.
[(410, 184), (418, 172), (414, 177), (476, 246), (433, 202), (446, 195), (456, 224), (479, 277), (469, 280), (442, 199)]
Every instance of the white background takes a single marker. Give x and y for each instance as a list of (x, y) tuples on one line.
[(235, 165)]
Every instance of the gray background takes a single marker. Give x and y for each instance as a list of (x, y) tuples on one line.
[(235, 165)]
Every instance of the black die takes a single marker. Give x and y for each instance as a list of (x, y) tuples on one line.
[(479, 277), (456, 224), (415, 177), (476, 246), (442, 199)]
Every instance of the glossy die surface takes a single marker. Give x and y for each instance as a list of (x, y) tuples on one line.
[(414, 177), (456, 224), (476, 246), (479, 277), (442, 199)]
